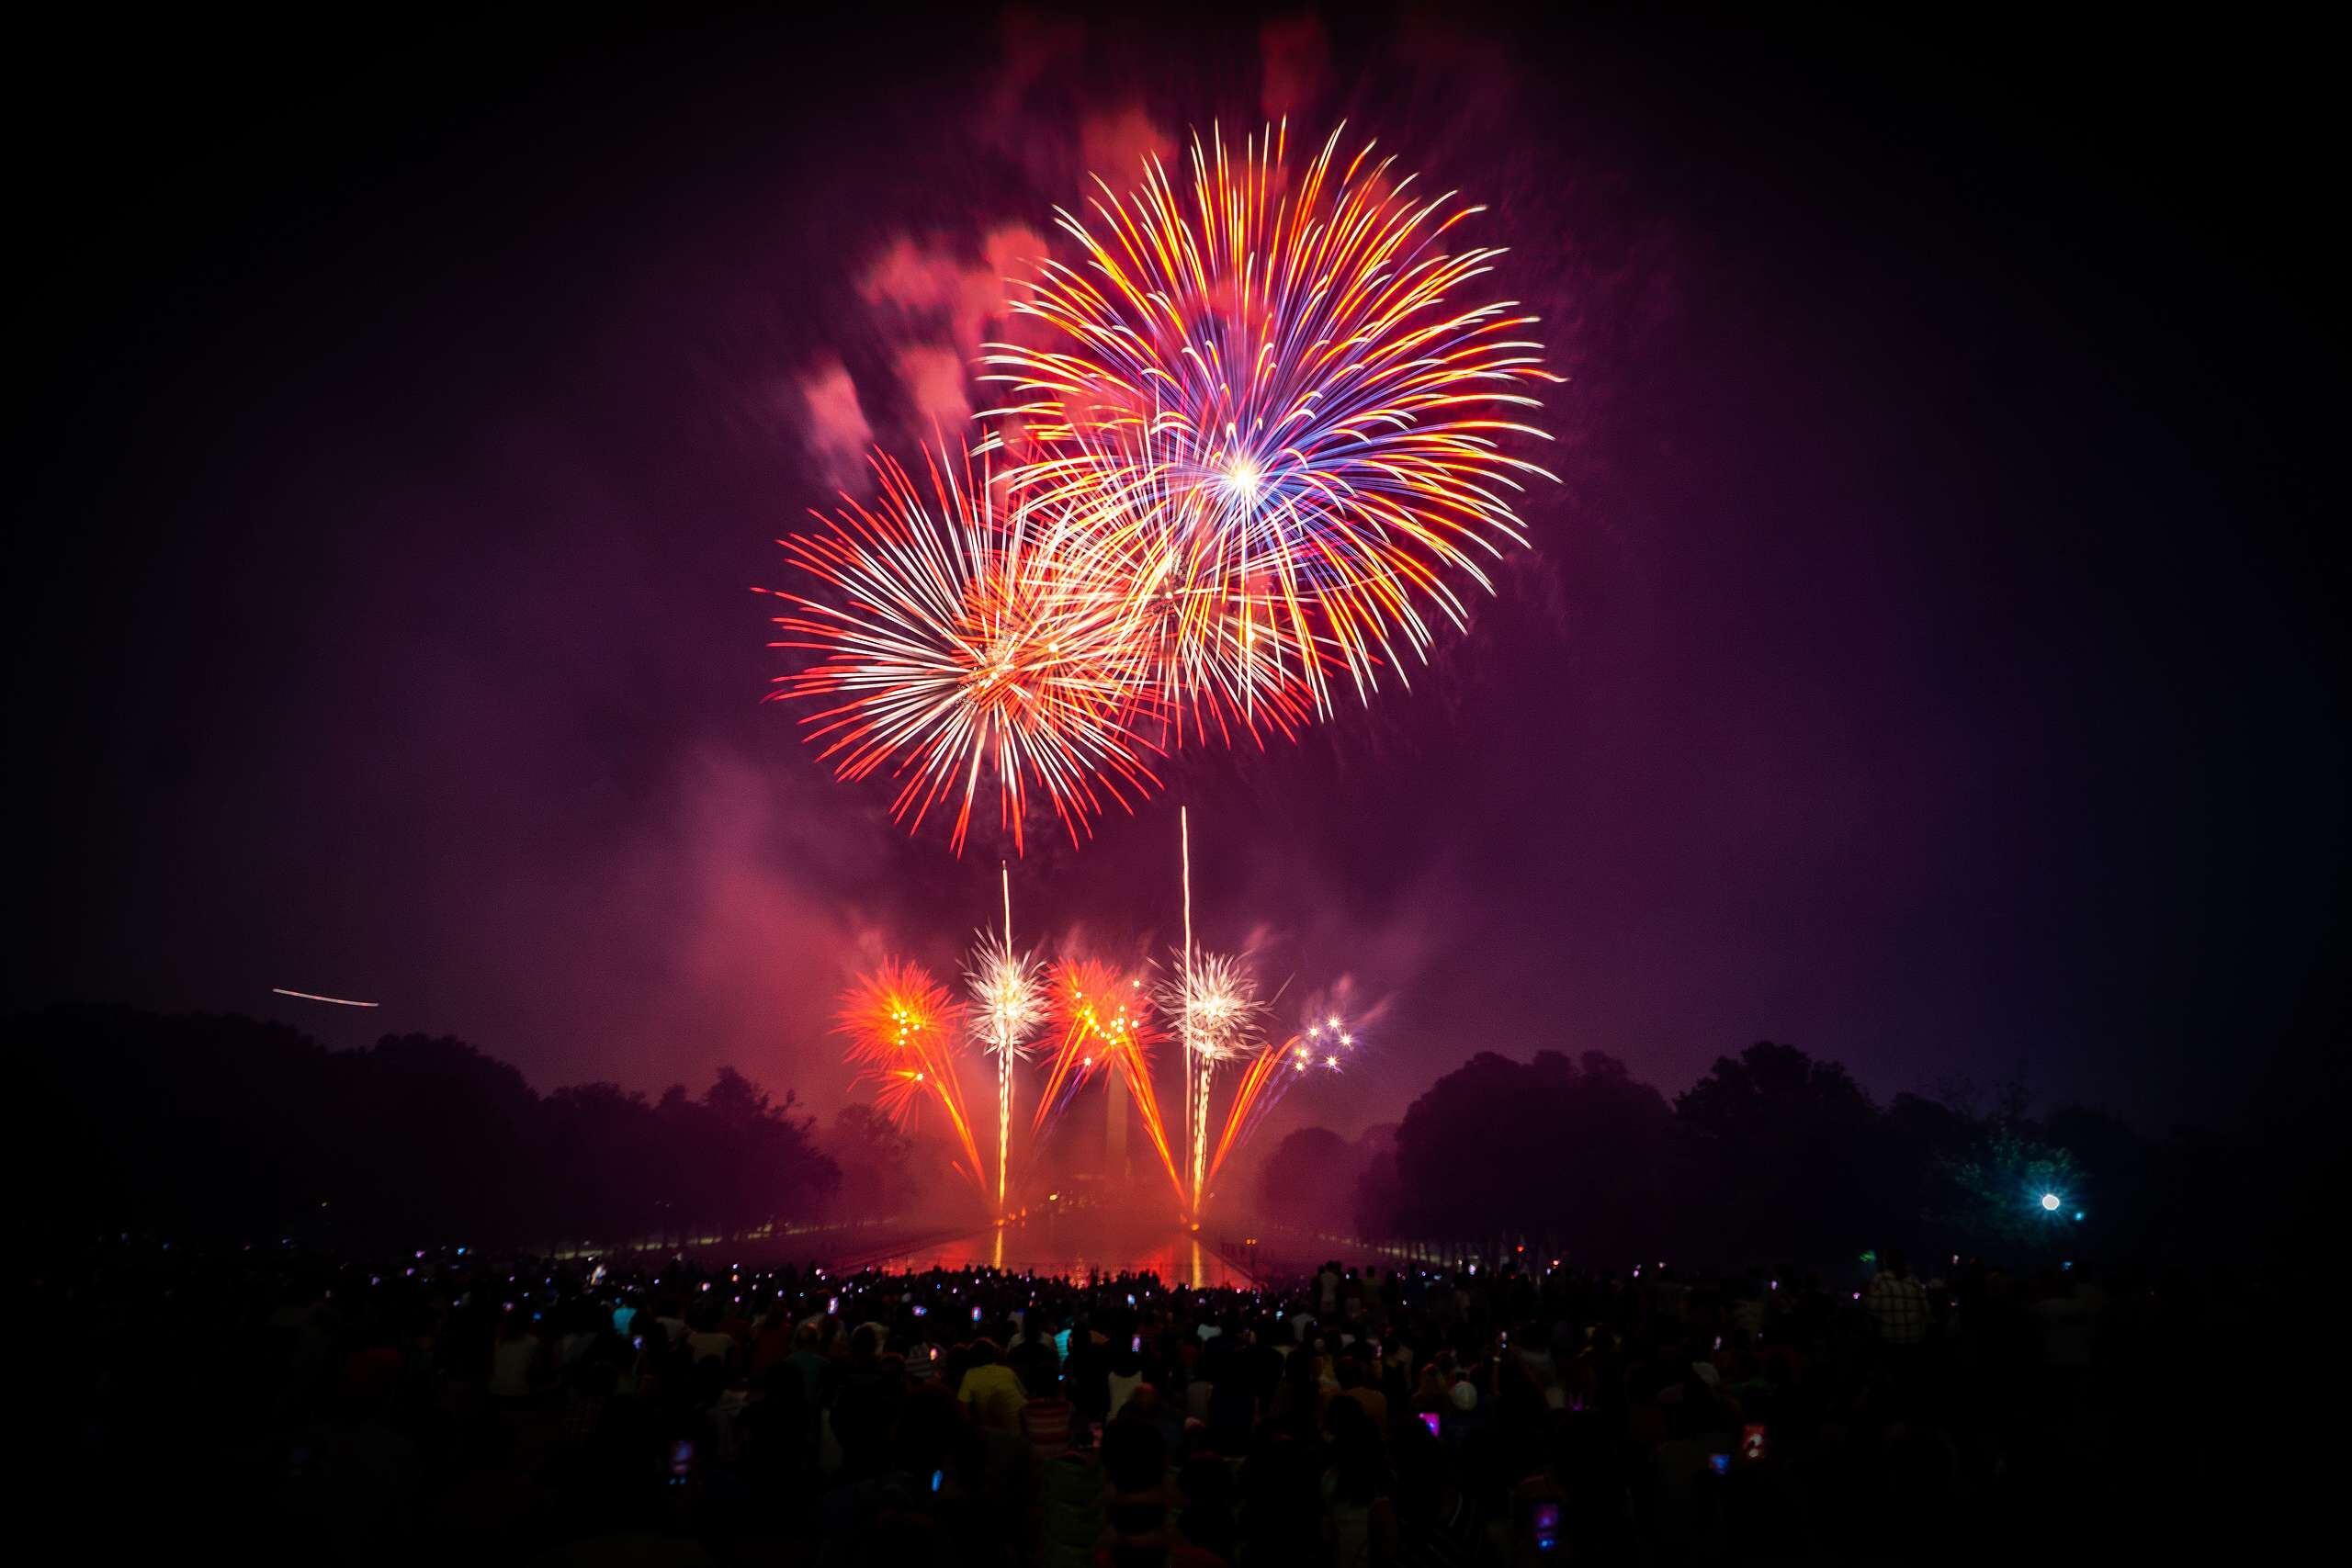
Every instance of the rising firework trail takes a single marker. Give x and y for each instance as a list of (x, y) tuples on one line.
[(1007, 1006), (1194, 1116), (1216, 1002)]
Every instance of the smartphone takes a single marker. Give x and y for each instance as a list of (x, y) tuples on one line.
[(1545, 1518), (1136, 1344), (1719, 1463), (1430, 1419), (975, 1314), (921, 1310), (937, 1476), (832, 1306), (682, 1461), (1753, 1443)]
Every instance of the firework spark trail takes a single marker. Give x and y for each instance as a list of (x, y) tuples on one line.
[(1266, 383), (1267, 1064), (1325, 1044), (959, 639), (1007, 1006), (1104, 1027), (1224, 1019), (903, 1030), (1184, 1004), (1136, 1066), (1095, 1008), (1262, 445)]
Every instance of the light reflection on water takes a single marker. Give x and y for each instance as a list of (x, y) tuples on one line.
[(1076, 1246)]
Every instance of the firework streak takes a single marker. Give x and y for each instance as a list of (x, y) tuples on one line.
[(963, 642), (1103, 1025), (904, 1031), (1007, 1005), (1255, 447)]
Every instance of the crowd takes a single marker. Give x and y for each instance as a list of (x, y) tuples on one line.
[(1521, 1412)]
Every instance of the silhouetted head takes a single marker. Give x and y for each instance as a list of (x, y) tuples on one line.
[(1135, 1456)]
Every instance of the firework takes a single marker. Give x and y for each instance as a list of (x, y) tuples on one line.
[(1007, 1006), (1218, 1002), (1217, 999), (1103, 1020), (1097, 1012), (1323, 1043), (904, 1031), (956, 641), (1264, 398)]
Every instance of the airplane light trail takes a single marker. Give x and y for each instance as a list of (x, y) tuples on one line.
[(314, 997)]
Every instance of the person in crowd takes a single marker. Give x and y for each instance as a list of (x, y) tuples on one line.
[(988, 1390), (1897, 1303), (1447, 1417)]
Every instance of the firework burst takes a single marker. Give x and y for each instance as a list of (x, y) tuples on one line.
[(957, 642), (1322, 1044), (1008, 999), (1216, 997), (1098, 1013), (1008, 1004), (1103, 1017), (1214, 1000), (904, 1031), (1264, 395)]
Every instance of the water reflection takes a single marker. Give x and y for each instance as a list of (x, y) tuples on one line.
[(1076, 1245)]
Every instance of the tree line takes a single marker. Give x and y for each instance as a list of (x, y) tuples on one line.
[(227, 1129), (1777, 1155), (224, 1127)]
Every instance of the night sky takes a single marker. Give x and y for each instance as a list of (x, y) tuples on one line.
[(1927, 657)]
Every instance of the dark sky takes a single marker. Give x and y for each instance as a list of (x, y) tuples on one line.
[(1927, 658)]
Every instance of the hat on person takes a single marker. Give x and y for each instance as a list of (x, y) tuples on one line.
[(1465, 1396)]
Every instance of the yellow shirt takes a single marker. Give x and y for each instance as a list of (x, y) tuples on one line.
[(995, 1395)]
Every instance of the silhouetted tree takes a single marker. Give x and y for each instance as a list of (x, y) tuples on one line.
[(1784, 1156), (224, 1127), (1309, 1179), (1570, 1152), (604, 1140), (876, 1161)]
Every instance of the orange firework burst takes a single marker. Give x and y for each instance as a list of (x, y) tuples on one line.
[(960, 641), (905, 1032), (1265, 397), (1090, 1009), (1104, 1024)]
